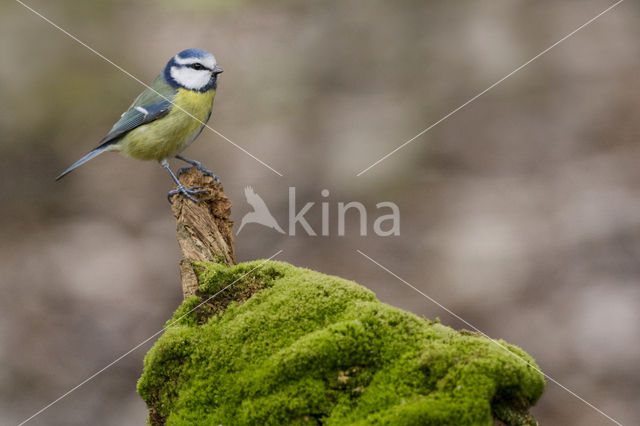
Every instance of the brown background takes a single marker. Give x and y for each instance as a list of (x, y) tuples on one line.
[(521, 213)]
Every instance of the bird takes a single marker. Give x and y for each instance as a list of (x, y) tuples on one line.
[(260, 213), (166, 117)]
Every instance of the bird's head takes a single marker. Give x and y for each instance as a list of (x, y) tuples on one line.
[(193, 69)]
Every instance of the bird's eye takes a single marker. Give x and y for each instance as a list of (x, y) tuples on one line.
[(197, 66)]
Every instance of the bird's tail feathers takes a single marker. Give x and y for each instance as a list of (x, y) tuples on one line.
[(94, 153)]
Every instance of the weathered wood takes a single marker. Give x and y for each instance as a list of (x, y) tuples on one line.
[(203, 229)]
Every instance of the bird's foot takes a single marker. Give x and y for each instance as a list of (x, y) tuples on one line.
[(202, 169), (187, 192)]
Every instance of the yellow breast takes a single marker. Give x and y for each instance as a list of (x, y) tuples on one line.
[(172, 133)]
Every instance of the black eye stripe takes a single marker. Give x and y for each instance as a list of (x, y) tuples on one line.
[(198, 66)]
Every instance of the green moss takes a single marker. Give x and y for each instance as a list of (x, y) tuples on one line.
[(286, 345)]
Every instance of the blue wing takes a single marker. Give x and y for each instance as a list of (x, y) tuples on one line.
[(135, 117), (150, 105)]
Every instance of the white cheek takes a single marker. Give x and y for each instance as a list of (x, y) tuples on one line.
[(190, 78)]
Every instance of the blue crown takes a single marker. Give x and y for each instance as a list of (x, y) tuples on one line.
[(186, 55), (193, 53)]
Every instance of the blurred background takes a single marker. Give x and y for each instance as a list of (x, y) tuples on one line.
[(521, 213)]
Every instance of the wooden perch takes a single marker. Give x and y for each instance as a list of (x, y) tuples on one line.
[(203, 229)]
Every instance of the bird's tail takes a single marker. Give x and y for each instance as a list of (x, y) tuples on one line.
[(99, 150)]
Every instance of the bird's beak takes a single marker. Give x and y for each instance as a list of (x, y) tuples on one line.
[(217, 70)]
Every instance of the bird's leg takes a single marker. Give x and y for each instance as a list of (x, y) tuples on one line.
[(187, 192), (198, 165)]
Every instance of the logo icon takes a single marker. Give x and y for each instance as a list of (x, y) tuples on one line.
[(384, 225), (260, 214)]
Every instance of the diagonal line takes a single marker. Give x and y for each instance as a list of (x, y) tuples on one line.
[(572, 33), (492, 340), (148, 87), (115, 361)]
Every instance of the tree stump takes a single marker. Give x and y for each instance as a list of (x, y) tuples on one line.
[(204, 229)]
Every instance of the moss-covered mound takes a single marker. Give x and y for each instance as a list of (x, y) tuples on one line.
[(287, 345)]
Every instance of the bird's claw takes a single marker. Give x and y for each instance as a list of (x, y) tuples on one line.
[(202, 169), (187, 192)]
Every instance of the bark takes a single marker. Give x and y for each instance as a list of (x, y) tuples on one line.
[(203, 229)]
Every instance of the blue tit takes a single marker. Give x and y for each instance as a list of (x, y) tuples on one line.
[(167, 117)]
